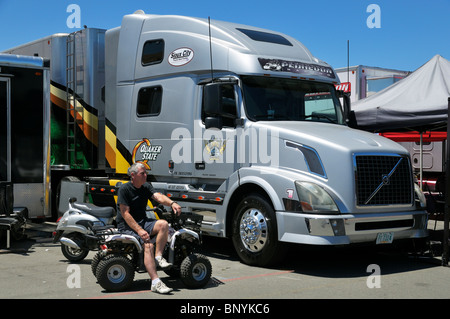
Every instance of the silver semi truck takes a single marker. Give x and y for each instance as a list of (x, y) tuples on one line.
[(240, 124)]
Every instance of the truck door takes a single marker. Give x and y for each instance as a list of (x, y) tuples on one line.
[(5, 147), (219, 139)]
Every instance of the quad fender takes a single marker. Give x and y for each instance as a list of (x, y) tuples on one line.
[(183, 233), (173, 238), (126, 239)]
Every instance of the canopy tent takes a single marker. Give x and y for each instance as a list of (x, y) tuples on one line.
[(417, 101), (420, 101)]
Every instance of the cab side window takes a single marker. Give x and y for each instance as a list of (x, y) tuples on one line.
[(153, 52), (149, 101)]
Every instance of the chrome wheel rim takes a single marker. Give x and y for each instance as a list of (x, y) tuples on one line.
[(253, 230)]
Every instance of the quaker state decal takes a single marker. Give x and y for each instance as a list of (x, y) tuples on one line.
[(144, 152)]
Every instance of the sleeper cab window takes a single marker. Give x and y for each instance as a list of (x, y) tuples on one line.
[(153, 52), (149, 101)]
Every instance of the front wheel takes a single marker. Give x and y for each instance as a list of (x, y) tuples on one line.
[(115, 273), (255, 236), (195, 271)]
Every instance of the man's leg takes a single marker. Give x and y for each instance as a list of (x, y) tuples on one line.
[(161, 230), (149, 262)]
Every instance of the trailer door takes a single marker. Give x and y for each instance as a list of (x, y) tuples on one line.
[(29, 139), (5, 135)]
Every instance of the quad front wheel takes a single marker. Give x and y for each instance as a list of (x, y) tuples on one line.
[(195, 271)]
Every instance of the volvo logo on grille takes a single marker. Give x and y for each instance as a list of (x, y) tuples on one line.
[(385, 179)]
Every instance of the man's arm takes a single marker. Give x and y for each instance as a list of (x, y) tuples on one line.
[(166, 201), (125, 211)]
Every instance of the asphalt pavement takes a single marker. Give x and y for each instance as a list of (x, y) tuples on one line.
[(34, 268)]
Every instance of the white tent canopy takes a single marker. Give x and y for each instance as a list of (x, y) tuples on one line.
[(419, 100)]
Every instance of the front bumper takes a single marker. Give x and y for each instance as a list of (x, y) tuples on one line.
[(347, 229)]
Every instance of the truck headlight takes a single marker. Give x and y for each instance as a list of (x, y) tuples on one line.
[(419, 197), (314, 199)]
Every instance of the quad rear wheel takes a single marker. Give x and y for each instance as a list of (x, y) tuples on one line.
[(115, 273)]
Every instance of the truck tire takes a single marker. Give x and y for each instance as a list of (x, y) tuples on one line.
[(115, 273), (254, 232), (195, 271)]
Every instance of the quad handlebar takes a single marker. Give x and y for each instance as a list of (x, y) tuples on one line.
[(185, 219)]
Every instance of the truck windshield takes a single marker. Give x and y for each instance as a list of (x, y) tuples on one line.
[(281, 99)]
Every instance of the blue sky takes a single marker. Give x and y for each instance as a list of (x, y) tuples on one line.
[(411, 32)]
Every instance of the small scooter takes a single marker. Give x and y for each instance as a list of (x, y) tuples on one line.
[(75, 228), (122, 255)]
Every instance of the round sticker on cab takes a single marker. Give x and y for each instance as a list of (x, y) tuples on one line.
[(181, 56)]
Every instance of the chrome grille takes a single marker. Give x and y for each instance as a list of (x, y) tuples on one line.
[(383, 180)]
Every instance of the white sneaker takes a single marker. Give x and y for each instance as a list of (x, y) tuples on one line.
[(162, 263), (161, 288)]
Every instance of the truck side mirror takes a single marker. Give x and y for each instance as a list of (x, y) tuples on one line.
[(349, 115), (212, 99), (351, 120), (219, 104), (214, 122)]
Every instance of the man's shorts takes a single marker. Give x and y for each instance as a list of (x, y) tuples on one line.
[(146, 224)]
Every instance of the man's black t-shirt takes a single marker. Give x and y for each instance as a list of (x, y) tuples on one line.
[(136, 199)]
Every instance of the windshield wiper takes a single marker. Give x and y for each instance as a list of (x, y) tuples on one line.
[(321, 116), (271, 117)]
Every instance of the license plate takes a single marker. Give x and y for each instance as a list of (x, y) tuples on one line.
[(385, 238)]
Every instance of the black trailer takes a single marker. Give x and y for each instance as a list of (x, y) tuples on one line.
[(24, 141)]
